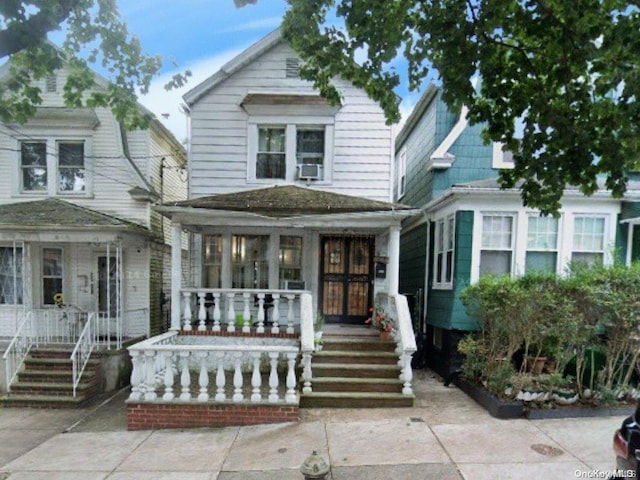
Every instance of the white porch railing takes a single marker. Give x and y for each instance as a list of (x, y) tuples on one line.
[(245, 310), (164, 370), (18, 349), (405, 338), (83, 349)]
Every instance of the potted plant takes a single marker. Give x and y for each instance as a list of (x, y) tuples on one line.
[(381, 322)]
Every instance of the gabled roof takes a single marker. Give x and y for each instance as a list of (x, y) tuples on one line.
[(289, 201), (52, 213), (415, 115), (246, 57)]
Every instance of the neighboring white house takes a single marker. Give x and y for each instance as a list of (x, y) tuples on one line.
[(77, 232), (287, 191)]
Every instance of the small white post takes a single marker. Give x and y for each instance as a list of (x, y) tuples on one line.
[(185, 377), (261, 315), (275, 316), (237, 377), (306, 372), (168, 377), (290, 314), (256, 378), (246, 314), (187, 311), (220, 378), (202, 312), (136, 375), (150, 364), (203, 379), (231, 313), (216, 312), (273, 377), (290, 396)]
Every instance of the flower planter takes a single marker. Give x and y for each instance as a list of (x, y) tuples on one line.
[(535, 365), (385, 336)]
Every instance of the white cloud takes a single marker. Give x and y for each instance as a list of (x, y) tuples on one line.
[(166, 104)]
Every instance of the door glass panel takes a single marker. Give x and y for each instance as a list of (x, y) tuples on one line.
[(107, 285)]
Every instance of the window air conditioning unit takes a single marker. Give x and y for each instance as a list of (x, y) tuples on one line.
[(309, 171), (294, 285)]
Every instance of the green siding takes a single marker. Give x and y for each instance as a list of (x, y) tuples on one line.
[(412, 259)]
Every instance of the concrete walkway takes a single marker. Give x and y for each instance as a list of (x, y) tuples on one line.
[(446, 436)]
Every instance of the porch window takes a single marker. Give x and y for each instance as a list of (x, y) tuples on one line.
[(52, 274), (271, 159), (250, 261), (496, 252), (10, 276), (212, 261), (71, 169), (588, 240), (290, 259), (445, 234), (542, 244), (33, 166)]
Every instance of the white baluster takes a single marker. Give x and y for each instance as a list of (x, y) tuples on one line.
[(185, 377), (256, 378), (231, 313), (150, 376), (246, 314), (275, 316), (407, 373), (137, 373), (290, 396), (187, 311), (220, 378), (290, 316), (202, 312), (203, 379), (168, 377), (260, 328), (306, 372), (216, 312), (273, 377), (237, 377)]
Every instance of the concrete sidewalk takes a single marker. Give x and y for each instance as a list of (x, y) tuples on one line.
[(446, 436)]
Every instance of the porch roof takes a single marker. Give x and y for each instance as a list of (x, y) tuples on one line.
[(53, 213), (289, 201)]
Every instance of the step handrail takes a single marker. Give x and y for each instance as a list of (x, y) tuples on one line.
[(82, 351), (18, 348)]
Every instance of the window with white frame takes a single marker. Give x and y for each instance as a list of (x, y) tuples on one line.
[(496, 253), (212, 261), (290, 152), (250, 261), (444, 247), (290, 259), (588, 239), (53, 167), (10, 276), (402, 172), (52, 275), (542, 244)]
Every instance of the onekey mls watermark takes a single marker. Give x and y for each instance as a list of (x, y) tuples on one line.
[(617, 473)]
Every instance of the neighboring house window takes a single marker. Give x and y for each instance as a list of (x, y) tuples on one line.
[(402, 173), (271, 159), (496, 254), (212, 261), (445, 240), (71, 172), (290, 259), (52, 274), (33, 166), (502, 158), (250, 261), (588, 240), (10, 275), (542, 244)]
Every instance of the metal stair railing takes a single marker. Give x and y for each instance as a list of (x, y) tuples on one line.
[(82, 351), (19, 348)]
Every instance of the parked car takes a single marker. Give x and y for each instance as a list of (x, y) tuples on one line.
[(626, 442)]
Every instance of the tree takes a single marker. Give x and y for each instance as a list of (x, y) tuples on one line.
[(565, 73), (95, 33)]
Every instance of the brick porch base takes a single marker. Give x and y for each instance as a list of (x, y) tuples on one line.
[(148, 416)]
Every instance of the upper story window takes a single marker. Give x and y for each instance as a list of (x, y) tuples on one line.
[(402, 172), (272, 153), (52, 167), (542, 244), (496, 254), (588, 239), (444, 247)]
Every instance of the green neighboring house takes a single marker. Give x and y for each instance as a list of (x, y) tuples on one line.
[(471, 228)]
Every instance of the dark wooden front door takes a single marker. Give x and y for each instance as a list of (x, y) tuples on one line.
[(346, 278)]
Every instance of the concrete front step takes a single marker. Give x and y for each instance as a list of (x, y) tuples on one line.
[(354, 370), (356, 344), (33, 363), (360, 357), (53, 388), (355, 400), (363, 385), (44, 401)]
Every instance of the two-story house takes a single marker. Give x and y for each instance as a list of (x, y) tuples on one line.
[(77, 232), (292, 224), (470, 227)]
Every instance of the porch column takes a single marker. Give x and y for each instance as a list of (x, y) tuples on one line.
[(176, 274), (394, 259)]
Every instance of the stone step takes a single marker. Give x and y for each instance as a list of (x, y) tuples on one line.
[(356, 344), (350, 357), (14, 400), (49, 363), (355, 400), (46, 375), (346, 384), (354, 370), (53, 388)]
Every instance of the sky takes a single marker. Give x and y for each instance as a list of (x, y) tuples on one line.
[(201, 36)]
